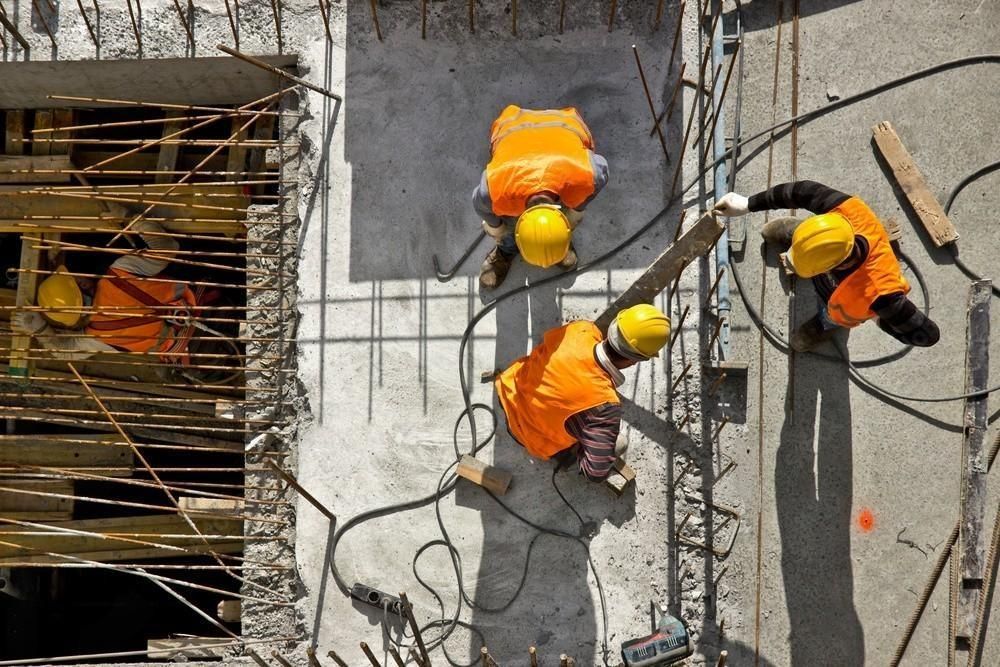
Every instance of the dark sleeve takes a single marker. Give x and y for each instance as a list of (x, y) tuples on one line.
[(483, 204), (901, 319), (810, 195), (596, 430)]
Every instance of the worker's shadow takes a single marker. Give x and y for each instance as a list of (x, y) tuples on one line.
[(813, 498), (555, 605)]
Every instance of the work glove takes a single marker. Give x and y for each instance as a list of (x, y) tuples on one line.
[(731, 205), (27, 322), (495, 233)]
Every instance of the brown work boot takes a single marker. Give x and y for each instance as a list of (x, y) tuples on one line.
[(810, 335), (779, 231), (494, 269), (569, 261)]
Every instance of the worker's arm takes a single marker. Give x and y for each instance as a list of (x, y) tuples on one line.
[(901, 319), (596, 430), (67, 344), (810, 195), (144, 265), (483, 204)]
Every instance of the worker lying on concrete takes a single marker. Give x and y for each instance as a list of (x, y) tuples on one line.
[(121, 312), (561, 400), (846, 252), (542, 173)]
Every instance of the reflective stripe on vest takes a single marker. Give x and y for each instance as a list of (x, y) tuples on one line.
[(125, 316), (850, 303), (558, 379), (539, 151)]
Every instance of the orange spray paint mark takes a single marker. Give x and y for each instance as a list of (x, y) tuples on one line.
[(866, 520)]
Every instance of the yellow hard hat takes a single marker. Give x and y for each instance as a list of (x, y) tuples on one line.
[(542, 235), (643, 329), (60, 293), (820, 243)]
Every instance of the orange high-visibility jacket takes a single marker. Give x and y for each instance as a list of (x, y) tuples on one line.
[(850, 303), (539, 151), (560, 378), (126, 316)]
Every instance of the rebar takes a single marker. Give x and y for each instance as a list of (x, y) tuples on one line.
[(722, 98), (472, 16), (371, 656), (718, 383), (562, 15), (649, 101), (681, 377), (677, 34), (668, 111), (280, 72), (276, 12), (611, 14), (513, 17), (236, 32), (423, 19), (185, 23), (294, 483), (135, 27), (378, 29), (680, 325), (715, 285), (9, 25), (415, 629), (722, 424), (45, 24), (336, 658)]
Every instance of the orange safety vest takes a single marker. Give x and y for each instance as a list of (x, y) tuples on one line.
[(127, 314), (850, 303), (539, 151), (558, 379)]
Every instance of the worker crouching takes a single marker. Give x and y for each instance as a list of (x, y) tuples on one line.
[(846, 251), (561, 399), (542, 173)]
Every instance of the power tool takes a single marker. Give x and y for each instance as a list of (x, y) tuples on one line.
[(668, 644)]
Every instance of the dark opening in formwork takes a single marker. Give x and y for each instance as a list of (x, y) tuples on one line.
[(147, 237)]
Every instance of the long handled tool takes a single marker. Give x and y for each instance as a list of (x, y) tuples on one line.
[(445, 277)]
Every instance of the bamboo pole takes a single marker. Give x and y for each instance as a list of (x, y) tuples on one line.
[(649, 101), (173, 501), (168, 105)]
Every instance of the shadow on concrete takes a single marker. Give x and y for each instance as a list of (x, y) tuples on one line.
[(762, 14), (813, 498)]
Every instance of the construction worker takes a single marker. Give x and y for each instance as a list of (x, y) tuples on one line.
[(126, 312), (542, 173), (561, 399), (845, 250)]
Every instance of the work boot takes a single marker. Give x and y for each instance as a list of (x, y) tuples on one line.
[(569, 261), (494, 269), (778, 232), (810, 335)]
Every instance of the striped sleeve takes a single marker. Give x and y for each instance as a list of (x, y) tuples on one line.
[(596, 430)]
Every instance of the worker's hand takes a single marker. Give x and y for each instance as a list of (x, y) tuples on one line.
[(732, 204), (27, 323), (495, 233)]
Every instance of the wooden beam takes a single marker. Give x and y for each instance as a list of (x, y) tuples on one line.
[(15, 505), (489, 477), (230, 611), (695, 242), (167, 159), (214, 505), (972, 538), (155, 527), (620, 478), (43, 204), (69, 451), (61, 118), (203, 648), (43, 121), (912, 182), (27, 284), (14, 137), (22, 163), (237, 158), (8, 299), (263, 131)]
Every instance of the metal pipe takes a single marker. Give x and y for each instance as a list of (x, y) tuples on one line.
[(720, 185)]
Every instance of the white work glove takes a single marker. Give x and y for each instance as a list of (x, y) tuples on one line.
[(495, 233), (731, 205), (27, 322)]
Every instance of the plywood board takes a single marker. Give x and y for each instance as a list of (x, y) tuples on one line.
[(69, 451), (31, 507), (26, 168)]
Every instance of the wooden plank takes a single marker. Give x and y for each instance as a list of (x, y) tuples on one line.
[(912, 182), (86, 155), (61, 118), (177, 204), (27, 284), (620, 478), (695, 242), (155, 527), (74, 225), (43, 121), (263, 130), (205, 648), (14, 132), (972, 537), (69, 451), (489, 477), (230, 611), (25, 163), (215, 505), (28, 507), (8, 299), (167, 159)]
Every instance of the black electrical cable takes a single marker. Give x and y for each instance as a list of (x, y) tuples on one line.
[(468, 412), (974, 176)]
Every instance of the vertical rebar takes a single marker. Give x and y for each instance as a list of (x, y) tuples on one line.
[(86, 20), (236, 32), (184, 22), (276, 11), (43, 17), (370, 655), (423, 19), (531, 649), (677, 34), (669, 110), (472, 16), (336, 658), (135, 27), (679, 327), (649, 100), (659, 15), (715, 285), (311, 657), (681, 377), (513, 18), (378, 28), (396, 657), (611, 15), (415, 629), (562, 15)]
